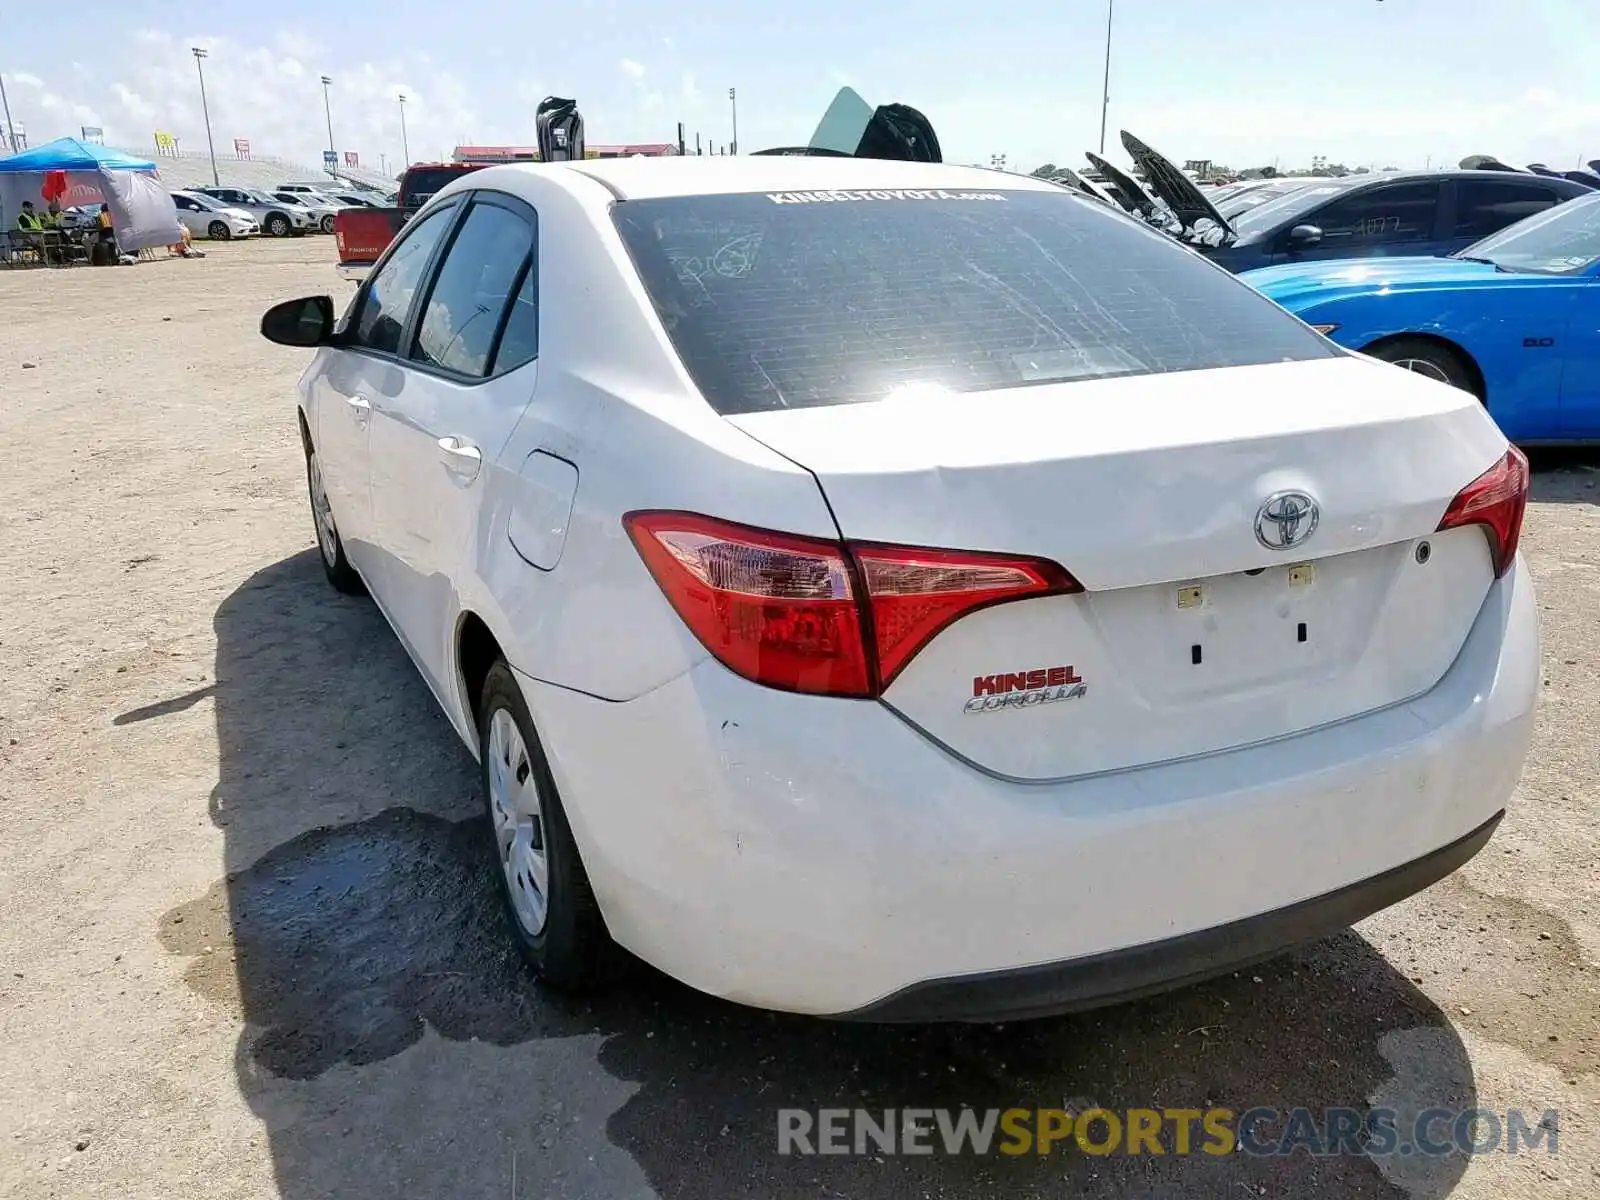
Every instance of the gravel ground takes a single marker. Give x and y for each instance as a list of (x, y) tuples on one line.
[(249, 945)]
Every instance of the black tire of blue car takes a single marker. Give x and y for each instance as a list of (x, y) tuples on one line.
[(573, 952), (1429, 358), (330, 546)]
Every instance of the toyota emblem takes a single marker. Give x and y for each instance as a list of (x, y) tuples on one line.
[(1286, 520)]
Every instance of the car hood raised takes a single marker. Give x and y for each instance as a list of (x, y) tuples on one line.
[(1314, 282)]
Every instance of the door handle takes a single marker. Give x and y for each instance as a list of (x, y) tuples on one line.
[(360, 403), (460, 458)]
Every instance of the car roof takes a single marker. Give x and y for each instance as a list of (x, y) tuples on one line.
[(1376, 177), (696, 175)]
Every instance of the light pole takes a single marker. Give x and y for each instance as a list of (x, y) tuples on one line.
[(205, 108), (405, 146), (1105, 90), (733, 103), (11, 130), (327, 111)]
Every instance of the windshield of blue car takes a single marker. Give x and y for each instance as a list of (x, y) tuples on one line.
[(795, 299), (1264, 218), (1564, 240)]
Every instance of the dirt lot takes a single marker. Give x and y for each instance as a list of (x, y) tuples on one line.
[(250, 948)]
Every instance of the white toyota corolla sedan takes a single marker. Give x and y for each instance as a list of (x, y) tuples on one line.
[(905, 591)]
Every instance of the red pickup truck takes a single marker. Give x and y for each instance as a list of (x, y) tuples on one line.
[(362, 234)]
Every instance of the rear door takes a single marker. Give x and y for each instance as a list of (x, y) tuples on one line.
[(1385, 219), (1034, 375), (469, 373), (1484, 206)]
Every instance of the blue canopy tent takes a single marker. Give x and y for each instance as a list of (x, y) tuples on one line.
[(142, 212), (70, 154)]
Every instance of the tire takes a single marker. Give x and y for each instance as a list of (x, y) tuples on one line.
[(330, 546), (276, 225), (327, 224), (218, 231), (566, 945), (1428, 358)]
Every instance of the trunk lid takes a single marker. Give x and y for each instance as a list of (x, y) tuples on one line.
[(1192, 636)]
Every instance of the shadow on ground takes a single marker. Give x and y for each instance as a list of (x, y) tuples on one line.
[(392, 1045), (1565, 476)]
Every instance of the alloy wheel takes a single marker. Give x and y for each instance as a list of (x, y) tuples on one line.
[(1423, 367)]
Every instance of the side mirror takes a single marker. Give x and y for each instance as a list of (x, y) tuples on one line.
[(304, 322), (1302, 237)]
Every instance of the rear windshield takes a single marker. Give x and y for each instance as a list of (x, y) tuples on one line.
[(420, 185), (798, 299)]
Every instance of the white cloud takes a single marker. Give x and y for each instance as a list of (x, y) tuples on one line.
[(26, 80), (691, 90), (267, 93), (632, 68)]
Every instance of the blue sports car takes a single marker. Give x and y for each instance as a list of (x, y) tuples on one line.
[(1514, 318)]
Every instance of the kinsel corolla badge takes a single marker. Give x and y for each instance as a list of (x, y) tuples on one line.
[(1285, 520), (1025, 689)]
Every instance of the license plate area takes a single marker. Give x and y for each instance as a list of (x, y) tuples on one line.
[(1232, 634)]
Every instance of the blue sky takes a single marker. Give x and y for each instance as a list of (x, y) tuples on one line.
[(1377, 82)]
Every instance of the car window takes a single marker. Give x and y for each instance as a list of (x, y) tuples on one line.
[(810, 298), (1562, 240), (473, 289), (1379, 216), (1485, 206), (519, 343), (420, 183), (1283, 210), (386, 304)]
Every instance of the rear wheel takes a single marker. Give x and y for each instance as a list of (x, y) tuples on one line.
[(277, 225), (1427, 358), (218, 231), (550, 907)]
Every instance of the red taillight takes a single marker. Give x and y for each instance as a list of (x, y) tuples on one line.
[(1496, 500), (814, 615), (915, 593), (772, 607)]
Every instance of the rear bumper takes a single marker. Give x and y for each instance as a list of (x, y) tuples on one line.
[(1122, 975), (822, 856)]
